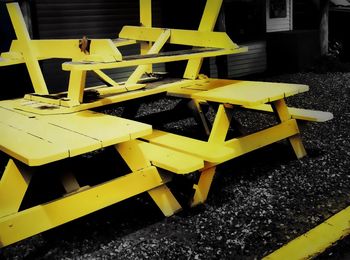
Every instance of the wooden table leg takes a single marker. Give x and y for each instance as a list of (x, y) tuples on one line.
[(161, 194), (281, 110), (13, 186)]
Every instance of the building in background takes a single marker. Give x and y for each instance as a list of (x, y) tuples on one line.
[(339, 20), (282, 35)]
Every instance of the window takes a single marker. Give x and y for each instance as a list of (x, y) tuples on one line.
[(279, 15), (278, 9)]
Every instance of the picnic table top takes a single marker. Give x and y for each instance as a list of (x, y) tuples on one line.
[(37, 140), (250, 93)]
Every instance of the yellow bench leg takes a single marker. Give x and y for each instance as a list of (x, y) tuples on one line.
[(13, 186), (165, 200), (69, 182), (195, 107), (203, 186), (76, 87), (162, 196), (282, 112), (221, 125)]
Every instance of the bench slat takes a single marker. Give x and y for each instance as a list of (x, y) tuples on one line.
[(171, 160), (214, 153), (299, 113)]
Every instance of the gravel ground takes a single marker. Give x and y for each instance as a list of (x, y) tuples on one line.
[(257, 203)]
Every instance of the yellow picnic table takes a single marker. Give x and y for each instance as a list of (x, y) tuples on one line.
[(218, 149), (43, 129), (36, 142)]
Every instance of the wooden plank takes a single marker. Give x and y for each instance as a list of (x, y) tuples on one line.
[(299, 113), (250, 93), (64, 140), (37, 107), (180, 36), (214, 153), (109, 130), (171, 160), (37, 140), (148, 60), (316, 240), (28, 148), (7, 62), (40, 218)]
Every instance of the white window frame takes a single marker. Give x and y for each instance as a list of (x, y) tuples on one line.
[(280, 24)]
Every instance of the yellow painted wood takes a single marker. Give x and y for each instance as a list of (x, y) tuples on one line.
[(195, 38), (262, 138), (49, 109), (102, 50), (195, 106), (16, 227), (77, 80), (105, 77), (317, 240), (171, 160), (208, 21), (133, 155), (232, 148), (40, 134), (154, 60), (37, 140), (7, 61), (141, 69), (188, 91), (282, 112), (296, 113), (210, 15), (165, 200), (136, 158), (146, 20), (221, 125), (299, 113), (123, 42), (20, 144), (74, 106), (146, 12), (13, 186), (250, 93), (27, 49), (209, 152), (203, 186), (69, 182), (109, 130), (119, 89)]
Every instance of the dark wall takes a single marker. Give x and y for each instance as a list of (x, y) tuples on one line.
[(296, 50), (245, 20), (15, 81), (305, 15), (292, 51), (181, 14), (339, 22)]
